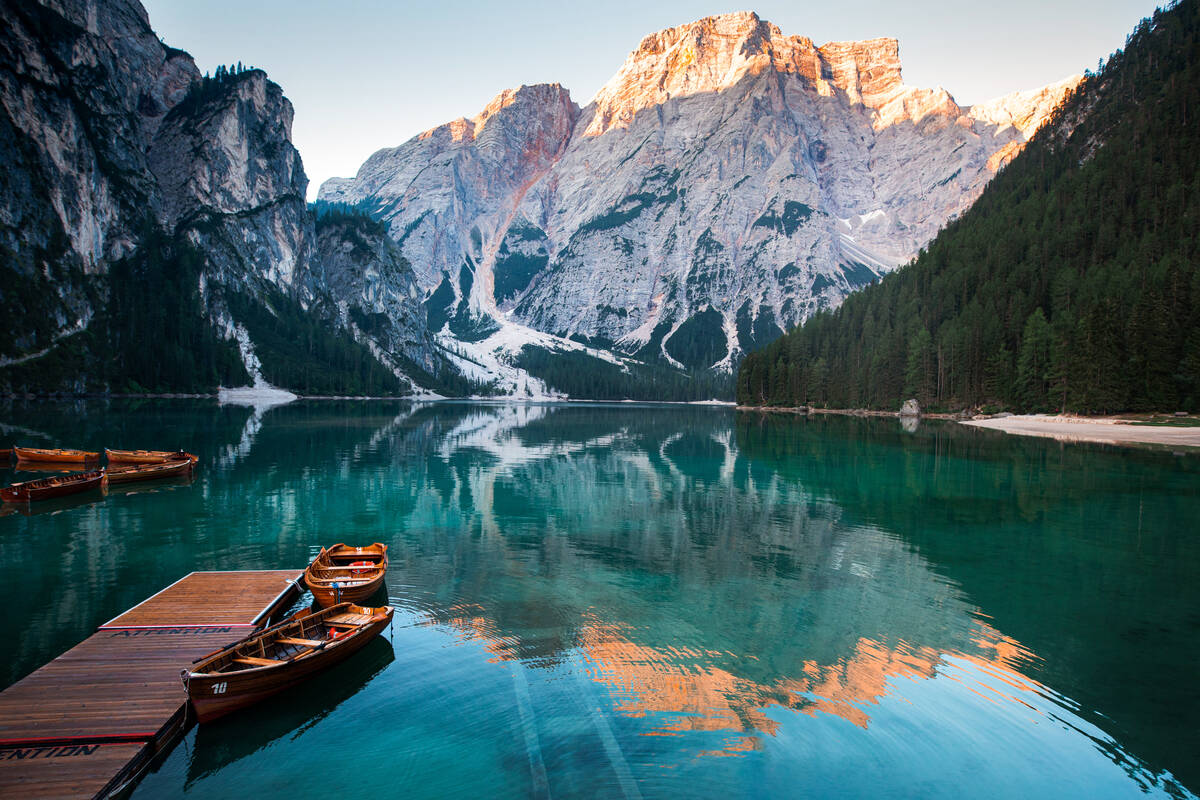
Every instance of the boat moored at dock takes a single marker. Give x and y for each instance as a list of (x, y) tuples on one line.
[(128, 473), (344, 573), (279, 658), (146, 456)]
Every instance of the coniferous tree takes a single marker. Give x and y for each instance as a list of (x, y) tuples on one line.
[(1033, 365)]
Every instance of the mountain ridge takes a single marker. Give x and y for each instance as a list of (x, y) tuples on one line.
[(789, 218), (725, 184)]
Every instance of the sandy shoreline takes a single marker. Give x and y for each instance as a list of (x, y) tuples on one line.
[(1080, 429)]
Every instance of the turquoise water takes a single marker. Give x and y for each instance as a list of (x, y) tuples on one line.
[(659, 601)]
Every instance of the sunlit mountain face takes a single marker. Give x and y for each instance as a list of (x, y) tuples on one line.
[(631, 600), (727, 182)]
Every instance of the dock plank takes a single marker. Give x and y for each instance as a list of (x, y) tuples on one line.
[(209, 598), (116, 683), (84, 770)]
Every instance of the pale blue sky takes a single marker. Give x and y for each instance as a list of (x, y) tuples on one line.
[(366, 74)]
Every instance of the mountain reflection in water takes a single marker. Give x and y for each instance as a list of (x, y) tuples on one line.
[(752, 588)]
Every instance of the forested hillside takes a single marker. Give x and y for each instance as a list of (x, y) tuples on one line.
[(1073, 283), (153, 231)]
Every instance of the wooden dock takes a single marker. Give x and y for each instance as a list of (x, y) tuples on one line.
[(89, 722)]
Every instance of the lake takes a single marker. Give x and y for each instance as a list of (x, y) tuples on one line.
[(658, 601)]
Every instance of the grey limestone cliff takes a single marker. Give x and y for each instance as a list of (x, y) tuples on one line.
[(726, 183), (118, 152)]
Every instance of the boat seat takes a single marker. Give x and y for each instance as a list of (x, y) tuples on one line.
[(301, 642), (348, 619), (257, 662)]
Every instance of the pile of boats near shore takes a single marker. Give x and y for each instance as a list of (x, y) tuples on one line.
[(282, 656), (82, 473)]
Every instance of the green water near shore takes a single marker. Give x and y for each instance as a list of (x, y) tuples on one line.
[(656, 601)]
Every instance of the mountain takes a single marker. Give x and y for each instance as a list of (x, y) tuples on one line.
[(1071, 284), (154, 233), (727, 183)]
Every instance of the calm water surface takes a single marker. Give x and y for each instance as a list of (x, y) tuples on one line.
[(631, 601)]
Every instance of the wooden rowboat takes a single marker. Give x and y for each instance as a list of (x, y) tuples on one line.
[(146, 456), (46, 488), (127, 473), (280, 657), (342, 573), (67, 456)]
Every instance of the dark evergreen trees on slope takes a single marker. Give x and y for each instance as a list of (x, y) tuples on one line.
[(151, 333), (585, 377), (1073, 283)]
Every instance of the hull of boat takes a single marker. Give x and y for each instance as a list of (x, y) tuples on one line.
[(47, 466), (215, 695), (349, 591), (49, 488), (148, 472), (146, 456), (60, 456)]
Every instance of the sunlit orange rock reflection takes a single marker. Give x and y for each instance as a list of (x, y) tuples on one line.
[(690, 693)]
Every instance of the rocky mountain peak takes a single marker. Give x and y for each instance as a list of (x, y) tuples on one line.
[(703, 56), (715, 53), (511, 106), (530, 123), (226, 150), (727, 182), (524, 101), (867, 71)]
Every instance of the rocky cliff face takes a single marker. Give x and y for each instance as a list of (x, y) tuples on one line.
[(84, 87), (450, 194), (231, 182), (112, 141), (375, 292), (726, 183)]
